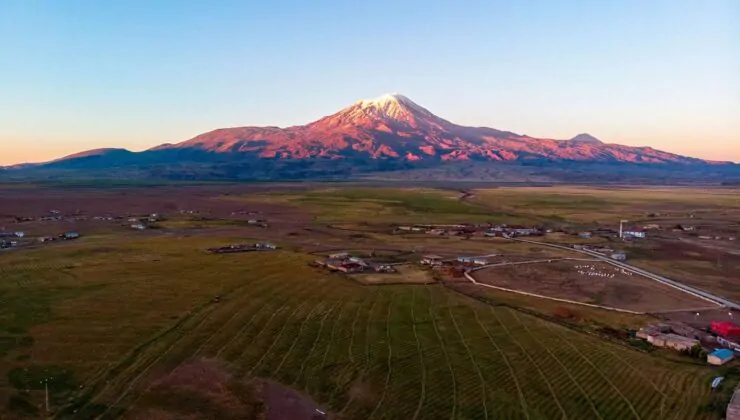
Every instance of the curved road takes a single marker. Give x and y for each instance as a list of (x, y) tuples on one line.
[(673, 283)]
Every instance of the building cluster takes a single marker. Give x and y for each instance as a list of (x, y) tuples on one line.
[(506, 231), (485, 229), (344, 262), (720, 340), (145, 222), (236, 248)]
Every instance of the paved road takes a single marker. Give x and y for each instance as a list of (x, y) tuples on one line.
[(673, 283)]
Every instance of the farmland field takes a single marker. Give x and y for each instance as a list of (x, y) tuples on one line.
[(118, 327), (591, 282), (124, 324)]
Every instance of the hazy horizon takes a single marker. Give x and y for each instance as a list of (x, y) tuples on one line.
[(84, 75)]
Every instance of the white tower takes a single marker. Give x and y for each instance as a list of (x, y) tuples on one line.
[(621, 226)]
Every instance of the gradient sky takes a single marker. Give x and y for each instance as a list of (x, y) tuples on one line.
[(83, 74)]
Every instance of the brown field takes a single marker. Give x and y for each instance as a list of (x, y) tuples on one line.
[(569, 280), (407, 274)]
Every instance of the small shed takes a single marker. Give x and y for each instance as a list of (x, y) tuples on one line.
[(339, 255), (585, 235), (720, 357), (70, 235)]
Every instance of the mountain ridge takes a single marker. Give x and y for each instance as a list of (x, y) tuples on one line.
[(388, 133), (395, 127)]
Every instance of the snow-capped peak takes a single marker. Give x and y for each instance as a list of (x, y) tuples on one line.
[(396, 107)]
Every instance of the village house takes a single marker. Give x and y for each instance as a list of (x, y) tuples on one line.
[(672, 341), (634, 234), (265, 246), (585, 235), (69, 235), (138, 226), (480, 261), (382, 268), (720, 357), (431, 260)]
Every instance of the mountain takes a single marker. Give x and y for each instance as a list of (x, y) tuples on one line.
[(388, 133), (394, 127)]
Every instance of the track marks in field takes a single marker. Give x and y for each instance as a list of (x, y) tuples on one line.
[(366, 366), (389, 360), (506, 360), (446, 355), (600, 373), (136, 379), (422, 394), (298, 336), (277, 338), (562, 365), (274, 296), (338, 304), (533, 363), (484, 394)]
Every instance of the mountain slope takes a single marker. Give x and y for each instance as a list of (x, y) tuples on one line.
[(389, 133), (394, 127)]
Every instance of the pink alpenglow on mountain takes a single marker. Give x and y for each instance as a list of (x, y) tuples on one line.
[(393, 126)]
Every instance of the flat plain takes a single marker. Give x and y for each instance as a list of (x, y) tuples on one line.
[(124, 324)]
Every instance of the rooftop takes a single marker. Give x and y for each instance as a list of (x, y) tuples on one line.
[(722, 353)]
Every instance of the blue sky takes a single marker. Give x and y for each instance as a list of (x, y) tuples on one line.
[(82, 74)]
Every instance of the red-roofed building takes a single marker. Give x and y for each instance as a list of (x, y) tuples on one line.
[(726, 329)]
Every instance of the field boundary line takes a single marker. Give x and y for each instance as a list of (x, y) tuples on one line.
[(133, 382), (522, 400), (279, 336), (366, 366), (389, 360), (472, 360), (447, 356), (315, 341), (321, 305), (271, 299), (420, 350), (565, 368), (139, 349), (505, 289), (265, 286), (533, 362), (606, 378)]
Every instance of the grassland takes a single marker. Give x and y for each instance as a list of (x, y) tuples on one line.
[(605, 205), (117, 318), (110, 318)]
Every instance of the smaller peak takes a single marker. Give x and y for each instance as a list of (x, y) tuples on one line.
[(586, 138)]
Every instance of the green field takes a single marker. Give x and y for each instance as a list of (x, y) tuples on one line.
[(115, 317), (110, 319)]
